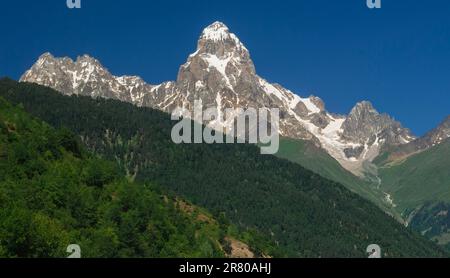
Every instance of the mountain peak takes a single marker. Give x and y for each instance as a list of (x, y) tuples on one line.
[(365, 105), (86, 60), (365, 125), (442, 131), (217, 39), (221, 60), (216, 31), (85, 57), (363, 108), (216, 26), (46, 55)]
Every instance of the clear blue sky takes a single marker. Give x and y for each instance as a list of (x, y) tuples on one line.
[(397, 57)]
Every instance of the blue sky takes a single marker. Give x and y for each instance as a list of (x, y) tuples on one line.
[(397, 57)]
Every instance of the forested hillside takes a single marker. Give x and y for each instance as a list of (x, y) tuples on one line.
[(309, 216), (53, 193)]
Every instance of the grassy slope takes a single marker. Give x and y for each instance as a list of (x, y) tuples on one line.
[(317, 160), (420, 186), (420, 178)]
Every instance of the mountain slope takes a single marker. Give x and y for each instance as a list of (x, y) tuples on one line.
[(221, 74), (419, 186), (53, 193), (317, 160), (420, 178), (432, 219), (306, 214)]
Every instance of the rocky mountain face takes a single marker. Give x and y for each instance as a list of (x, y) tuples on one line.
[(438, 135), (85, 76), (221, 74), (372, 132), (435, 137)]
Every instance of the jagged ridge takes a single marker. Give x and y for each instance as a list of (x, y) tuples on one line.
[(221, 73)]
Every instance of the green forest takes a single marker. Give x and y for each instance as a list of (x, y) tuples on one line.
[(54, 193), (305, 214)]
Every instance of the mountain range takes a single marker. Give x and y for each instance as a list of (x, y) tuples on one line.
[(368, 152), (221, 73)]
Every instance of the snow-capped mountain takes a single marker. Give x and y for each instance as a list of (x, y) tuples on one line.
[(221, 73), (85, 76)]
